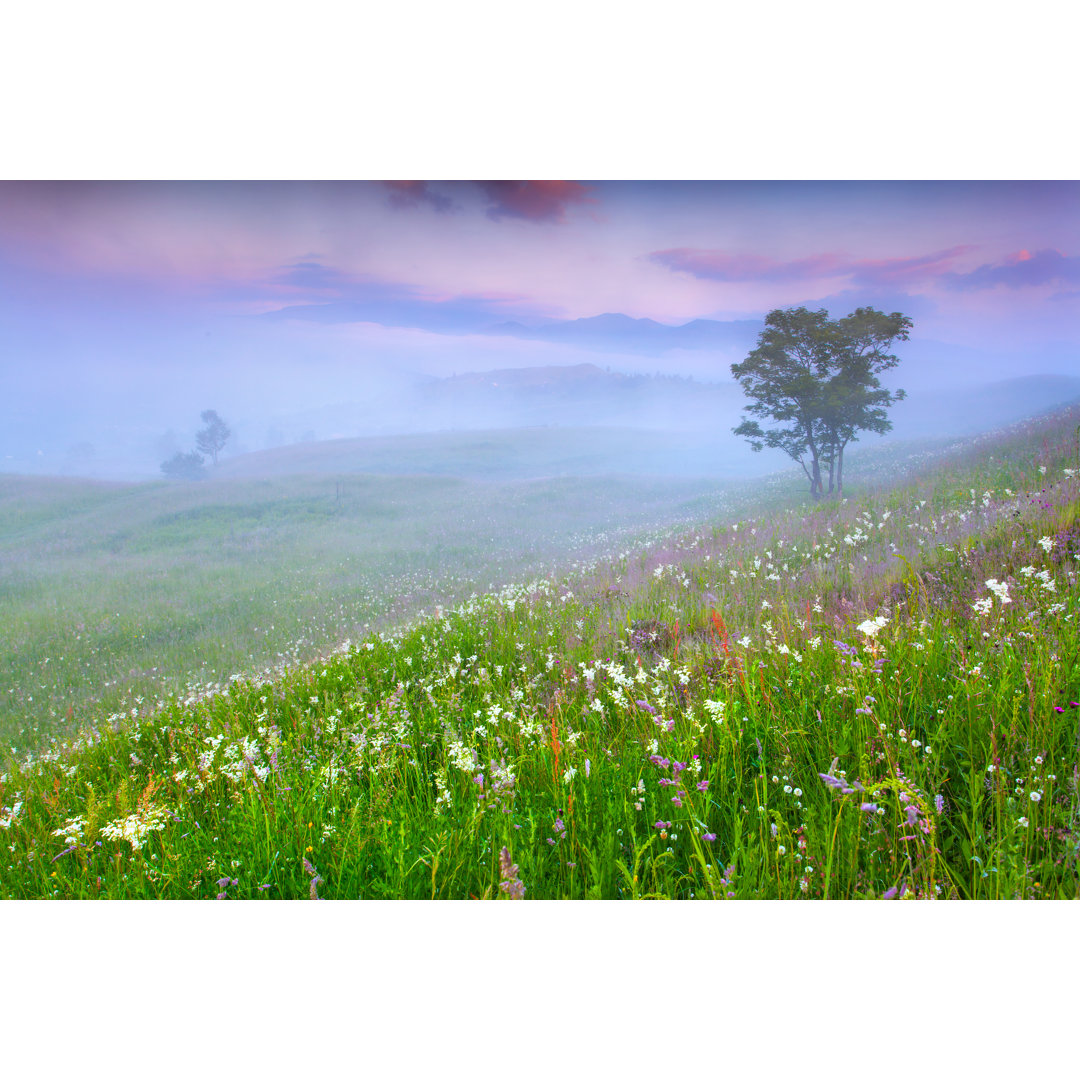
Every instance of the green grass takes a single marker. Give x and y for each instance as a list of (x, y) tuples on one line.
[(112, 596), (708, 715)]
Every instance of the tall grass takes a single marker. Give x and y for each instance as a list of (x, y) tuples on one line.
[(872, 699)]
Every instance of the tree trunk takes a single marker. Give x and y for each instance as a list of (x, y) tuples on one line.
[(840, 473)]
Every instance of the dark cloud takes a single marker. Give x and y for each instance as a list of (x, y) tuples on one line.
[(533, 200), (409, 194), (1021, 270), (714, 265)]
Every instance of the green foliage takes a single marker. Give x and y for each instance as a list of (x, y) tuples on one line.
[(713, 714), (817, 378)]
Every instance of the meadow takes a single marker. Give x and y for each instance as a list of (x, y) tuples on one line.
[(761, 697), (112, 596)]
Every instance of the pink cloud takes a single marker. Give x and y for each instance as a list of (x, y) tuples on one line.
[(533, 200), (715, 265), (1020, 269)]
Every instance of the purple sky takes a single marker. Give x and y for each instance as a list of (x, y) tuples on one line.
[(986, 261), (168, 289)]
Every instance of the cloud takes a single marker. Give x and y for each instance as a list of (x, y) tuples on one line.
[(1020, 270), (533, 200), (529, 200), (393, 304), (409, 194), (313, 275), (711, 264)]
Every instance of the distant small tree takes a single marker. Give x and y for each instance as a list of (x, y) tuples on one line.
[(817, 379), (211, 438), (184, 467)]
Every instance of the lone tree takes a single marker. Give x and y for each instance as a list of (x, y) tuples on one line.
[(214, 436), (184, 467), (817, 378)]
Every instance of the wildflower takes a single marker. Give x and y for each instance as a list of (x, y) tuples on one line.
[(869, 807), (1024, 823), (871, 626), (703, 785), (939, 804), (708, 837), (508, 871), (1046, 543), (1036, 796), (662, 825), (832, 781)]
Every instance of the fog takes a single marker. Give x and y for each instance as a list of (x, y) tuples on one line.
[(128, 309)]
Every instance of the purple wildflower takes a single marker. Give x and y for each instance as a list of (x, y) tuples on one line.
[(912, 814), (1058, 709), (646, 706), (703, 785), (939, 804), (832, 781), (889, 894), (676, 801), (666, 781), (869, 807), (662, 825), (708, 837), (508, 871)]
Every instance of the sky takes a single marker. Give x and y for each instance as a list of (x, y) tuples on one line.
[(130, 306)]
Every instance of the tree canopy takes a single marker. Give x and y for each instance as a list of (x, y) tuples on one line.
[(213, 437), (817, 379), (184, 466)]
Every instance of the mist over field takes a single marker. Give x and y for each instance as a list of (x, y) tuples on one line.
[(306, 312)]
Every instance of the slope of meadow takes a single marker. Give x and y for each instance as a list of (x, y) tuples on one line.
[(112, 595), (876, 698)]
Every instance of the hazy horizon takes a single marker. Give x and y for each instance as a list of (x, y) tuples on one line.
[(129, 307)]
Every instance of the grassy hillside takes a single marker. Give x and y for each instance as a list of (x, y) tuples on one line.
[(872, 699), (111, 595)]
